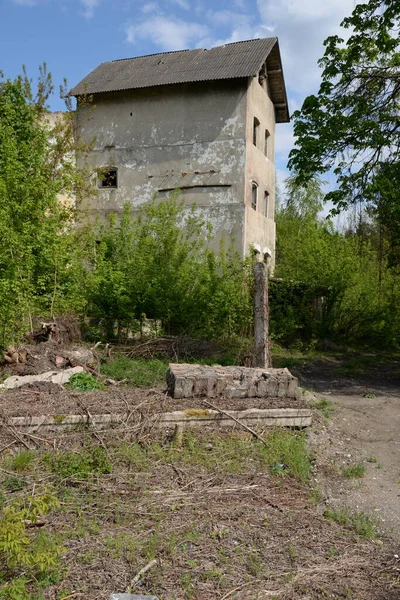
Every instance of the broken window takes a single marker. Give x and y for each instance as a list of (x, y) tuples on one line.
[(256, 127), (109, 178), (266, 203), (254, 194), (266, 146)]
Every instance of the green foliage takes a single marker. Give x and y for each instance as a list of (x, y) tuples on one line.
[(16, 589), (359, 522), (84, 382), (20, 549), (137, 372), (352, 124), (236, 454), (67, 464), (356, 471), (325, 406), (335, 285), (37, 273), (156, 266)]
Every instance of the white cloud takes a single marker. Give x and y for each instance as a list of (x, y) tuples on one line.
[(150, 7), (301, 28), (89, 7), (167, 33)]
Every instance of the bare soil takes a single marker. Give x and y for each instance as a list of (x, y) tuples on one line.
[(364, 427)]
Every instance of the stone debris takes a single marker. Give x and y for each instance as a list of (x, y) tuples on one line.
[(58, 377), (192, 381)]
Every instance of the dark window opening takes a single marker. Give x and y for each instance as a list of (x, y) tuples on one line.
[(266, 203), (109, 178), (256, 127), (254, 193), (266, 147)]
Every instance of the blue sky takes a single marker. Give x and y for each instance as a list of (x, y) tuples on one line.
[(74, 36)]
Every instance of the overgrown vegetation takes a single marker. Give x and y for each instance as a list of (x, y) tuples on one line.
[(336, 285)]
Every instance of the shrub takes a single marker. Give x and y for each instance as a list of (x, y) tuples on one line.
[(22, 550)]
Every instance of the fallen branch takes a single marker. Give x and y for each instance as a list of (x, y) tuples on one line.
[(13, 432), (139, 574), (8, 446), (223, 412), (96, 433)]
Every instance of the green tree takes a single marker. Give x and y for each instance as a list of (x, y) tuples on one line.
[(37, 168), (156, 265), (352, 125), (361, 295)]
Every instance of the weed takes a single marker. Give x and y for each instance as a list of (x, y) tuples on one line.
[(59, 419), (315, 496), (289, 449), (254, 563), (332, 552), (132, 455), (325, 406), (292, 551), (141, 373), (84, 382), (239, 453), (359, 522), (67, 464), (356, 471), (14, 484), (186, 582), (371, 459), (22, 460)]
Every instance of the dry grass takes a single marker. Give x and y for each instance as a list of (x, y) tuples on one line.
[(223, 516)]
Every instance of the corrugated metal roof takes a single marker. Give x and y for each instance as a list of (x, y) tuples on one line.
[(241, 59), (231, 61)]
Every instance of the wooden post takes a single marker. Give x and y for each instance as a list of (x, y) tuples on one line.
[(261, 316)]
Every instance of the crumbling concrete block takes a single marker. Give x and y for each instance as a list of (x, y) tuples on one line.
[(194, 381)]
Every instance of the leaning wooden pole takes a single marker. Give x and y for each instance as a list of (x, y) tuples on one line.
[(261, 316)]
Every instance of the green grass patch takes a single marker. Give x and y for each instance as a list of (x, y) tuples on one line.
[(286, 453), (325, 406), (359, 522), (137, 372), (21, 461), (68, 464), (356, 471)]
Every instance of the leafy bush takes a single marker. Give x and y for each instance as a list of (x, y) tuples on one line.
[(22, 549), (156, 266), (84, 382)]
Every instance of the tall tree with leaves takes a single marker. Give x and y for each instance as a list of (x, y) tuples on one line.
[(36, 167), (353, 125)]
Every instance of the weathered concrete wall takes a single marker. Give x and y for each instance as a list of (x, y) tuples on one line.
[(191, 137), (260, 168), (196, 137)]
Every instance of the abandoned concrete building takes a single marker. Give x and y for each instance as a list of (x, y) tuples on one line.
[(199, 120)]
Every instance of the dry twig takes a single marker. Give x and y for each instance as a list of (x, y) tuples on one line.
[(139, 574), (223, 412)]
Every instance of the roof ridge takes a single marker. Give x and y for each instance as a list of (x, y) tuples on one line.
[(154, 54), (189, 50)]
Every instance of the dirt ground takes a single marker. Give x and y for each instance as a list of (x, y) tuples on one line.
[(364, 426)]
